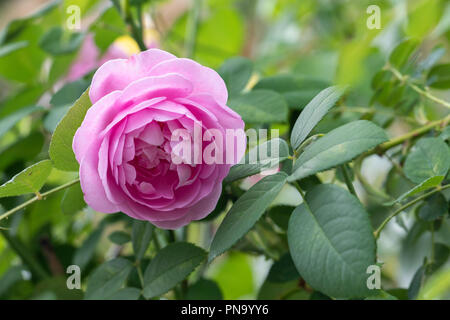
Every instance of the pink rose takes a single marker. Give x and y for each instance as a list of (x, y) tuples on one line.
[(125, 145)]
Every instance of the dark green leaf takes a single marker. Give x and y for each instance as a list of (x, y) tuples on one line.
[(140, 237), (73, 200), (126, 294), (434, 207), (119, 237), (313, 113), (337, 147), (331, 242), (283, 270), (245, 212), (171, 265), (204, 289), (259, 158), (108, 279), (439, 76)]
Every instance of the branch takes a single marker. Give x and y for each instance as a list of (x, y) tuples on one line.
[(407, 205), (37, 198)]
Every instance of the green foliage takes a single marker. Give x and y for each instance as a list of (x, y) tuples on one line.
[(246, 212), (429, 157), (341, 247), (60, 150), (338, 146), (29, 180), (260, 106), (170, 266), (374, 155), (313, 113)]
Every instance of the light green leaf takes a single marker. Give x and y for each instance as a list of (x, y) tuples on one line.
[(425, 185), (245, 212), (331, 242), (429, 157), (73, 200), (260, 106), (171, 265), (254, 162), (337, 147), (236, 72), (401, 55), (108, 279), (60, 150), (8, 122), (140, 237), (313, 113), (29, 180)]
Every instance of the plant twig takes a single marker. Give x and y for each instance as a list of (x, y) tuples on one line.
[(41, 196), (406, 206)]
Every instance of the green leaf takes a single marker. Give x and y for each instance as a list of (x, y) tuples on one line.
[(245, 212), (204, 289), (337, 147), (298, 91), (425, 185), (108, 28), (56, 42), (126, 294), (429, 157), (60, 150), (69, 93), (259, 158), (29, 180), (24, 149), (108, 279), (73, 200), (445, 135), (416, 283), (8, 122), (283, 270), (313, 113), (260, 106), (439, 76), (141, 235), (434, 207), (236, 72), (401, 55), (171, 265), (280, 215), (85, 253), (331, 242), (119, 237)]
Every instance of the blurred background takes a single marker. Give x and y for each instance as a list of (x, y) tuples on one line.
[(322, 42)]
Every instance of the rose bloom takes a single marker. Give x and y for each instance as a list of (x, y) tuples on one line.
[(125, 144)]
